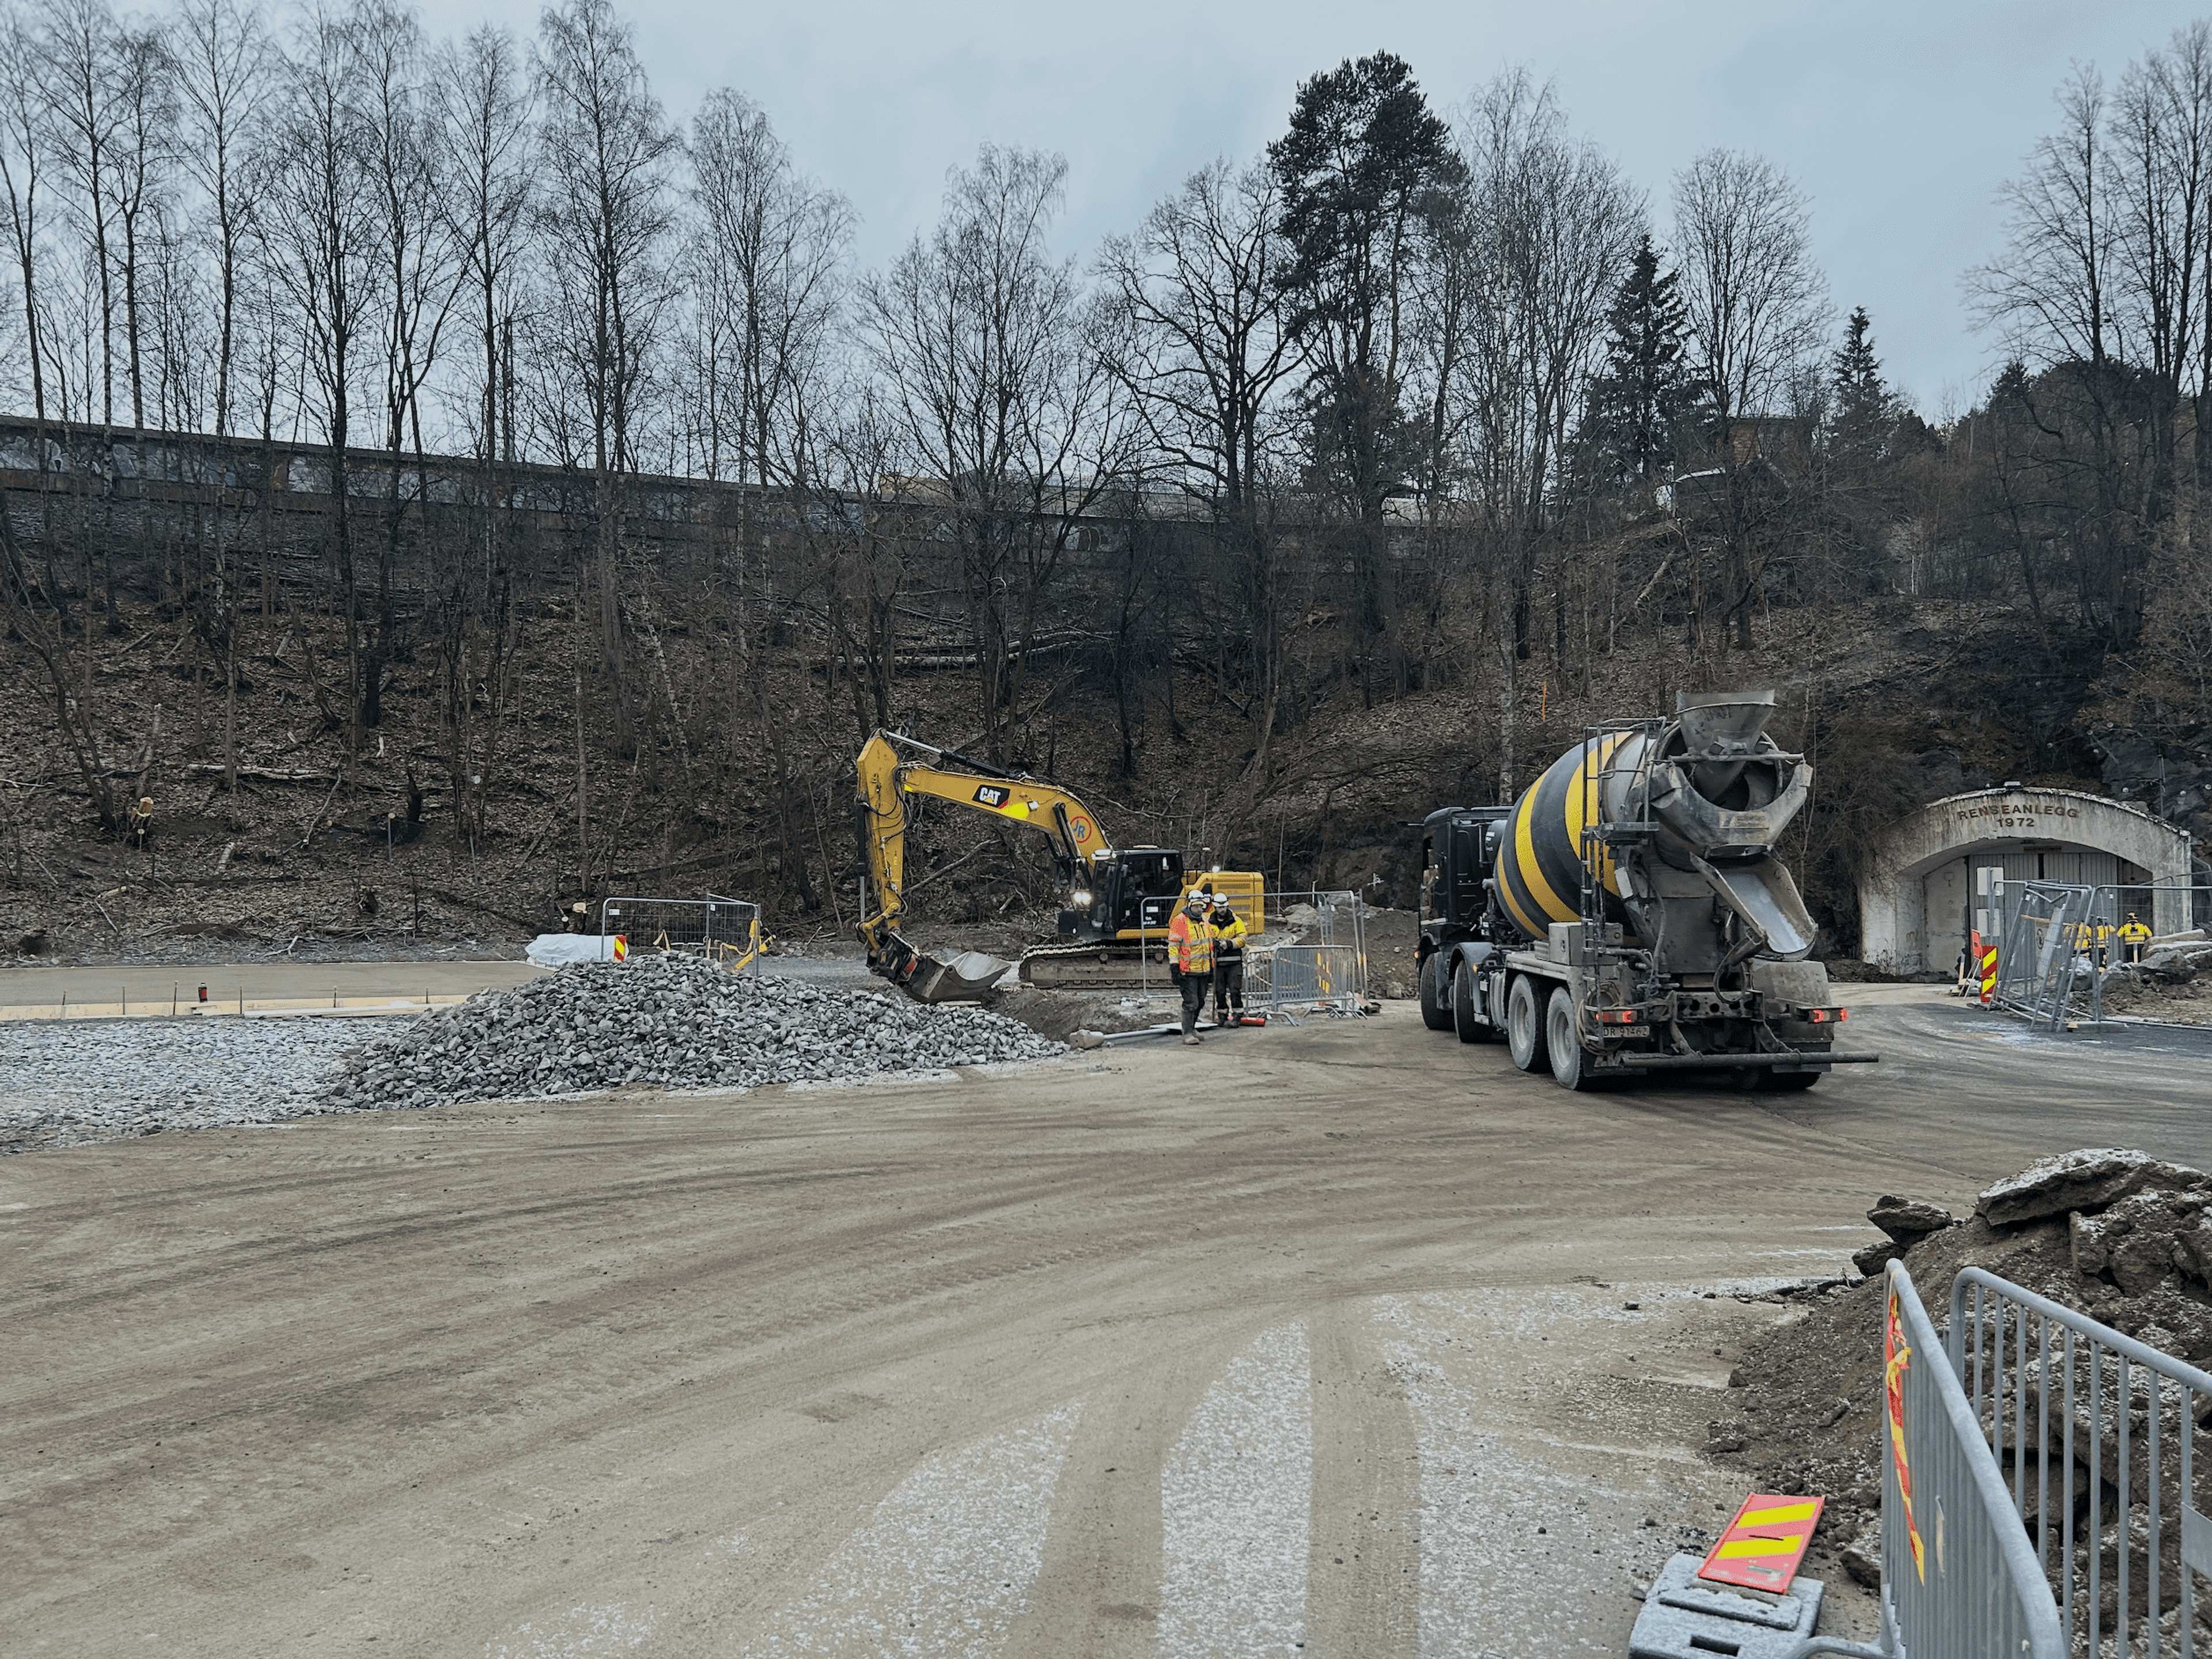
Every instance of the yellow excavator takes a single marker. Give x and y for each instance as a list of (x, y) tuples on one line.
[(1116, 902)]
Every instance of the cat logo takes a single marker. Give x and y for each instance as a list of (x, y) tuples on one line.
[(992, 795)]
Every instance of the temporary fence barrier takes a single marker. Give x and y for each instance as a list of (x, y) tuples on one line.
[(1289, 976), (1959, 1579), (721, 930), (2035, 954), (2098, 1430), (2061, 943)]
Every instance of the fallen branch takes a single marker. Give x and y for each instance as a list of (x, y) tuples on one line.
[(266, 773), (308, 833)]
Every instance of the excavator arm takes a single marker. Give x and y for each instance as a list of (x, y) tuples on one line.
[(885, 779)]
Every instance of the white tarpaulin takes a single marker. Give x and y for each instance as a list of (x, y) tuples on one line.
[(558, 949)]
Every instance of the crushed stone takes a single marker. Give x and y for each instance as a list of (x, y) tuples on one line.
[(666, 1024), (657, 1023)]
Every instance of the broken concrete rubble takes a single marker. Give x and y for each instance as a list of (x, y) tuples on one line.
[(2086, 1179), (1908, 1220)]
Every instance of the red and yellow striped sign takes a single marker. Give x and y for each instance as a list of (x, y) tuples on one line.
[(1762, 1546)]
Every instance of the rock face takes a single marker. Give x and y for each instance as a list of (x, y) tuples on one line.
[(671, 1023), (2086, 1179)]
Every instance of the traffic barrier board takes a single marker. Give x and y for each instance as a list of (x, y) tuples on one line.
[(1762, 1546)]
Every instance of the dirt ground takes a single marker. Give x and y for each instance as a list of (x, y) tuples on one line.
[(1342, 1334), (2186, 1003)]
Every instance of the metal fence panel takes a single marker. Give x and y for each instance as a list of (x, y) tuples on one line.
[(2061, 943), (2035, 962), (1959, 1578), (1302, 975), (722, 929), (2105, 1427)]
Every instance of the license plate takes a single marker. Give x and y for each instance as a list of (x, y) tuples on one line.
[(1628, 1030)]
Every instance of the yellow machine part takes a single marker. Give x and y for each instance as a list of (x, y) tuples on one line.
[(1246, 890)]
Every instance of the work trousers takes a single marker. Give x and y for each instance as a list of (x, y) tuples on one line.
[(1228, 991), (1193, 1000)]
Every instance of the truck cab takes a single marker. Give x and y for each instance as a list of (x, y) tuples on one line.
[(1459, 848)]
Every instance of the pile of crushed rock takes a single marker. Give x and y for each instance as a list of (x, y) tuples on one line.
[(2121, 1236), (669, 1022)]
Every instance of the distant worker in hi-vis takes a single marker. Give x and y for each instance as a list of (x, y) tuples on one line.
[(1190, 954), (2133, 937), (1229, 933)]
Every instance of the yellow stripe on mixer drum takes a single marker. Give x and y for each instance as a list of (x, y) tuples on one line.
[(1505, 893), (1578, 814), (1525, 844)]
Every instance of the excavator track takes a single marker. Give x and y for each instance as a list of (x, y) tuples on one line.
[(1114, 965)]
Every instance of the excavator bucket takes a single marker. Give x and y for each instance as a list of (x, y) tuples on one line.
[(966, 977)]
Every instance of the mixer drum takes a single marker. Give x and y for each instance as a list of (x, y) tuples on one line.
[(1714, 792), (1540, 864)]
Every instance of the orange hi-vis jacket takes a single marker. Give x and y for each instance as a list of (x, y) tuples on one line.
[(1191, 948)]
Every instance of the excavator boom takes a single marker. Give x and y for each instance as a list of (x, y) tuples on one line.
[(880, 820)]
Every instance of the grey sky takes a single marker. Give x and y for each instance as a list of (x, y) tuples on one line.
[(1901, 119)]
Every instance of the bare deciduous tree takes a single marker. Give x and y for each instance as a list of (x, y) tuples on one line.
[(323, 209), (1756, 304), (222, 51), (1516, 317), (1193, 325), (974, 333), (81, 48), (605, 215), (24, 143)]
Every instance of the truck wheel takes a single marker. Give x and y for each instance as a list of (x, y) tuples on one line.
[(1434, 1013), (1524, 1024), (1470, 1025), (1790, 1082), (1570, 1069)]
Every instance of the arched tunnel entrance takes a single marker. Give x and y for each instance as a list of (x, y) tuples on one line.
[(1916, 899)]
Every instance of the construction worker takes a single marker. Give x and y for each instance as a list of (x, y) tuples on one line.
[(1190, 954), (2103, 957), (1227, 930), (2133, 937)]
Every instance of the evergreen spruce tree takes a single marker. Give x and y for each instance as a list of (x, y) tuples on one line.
[(1864, 410), (1641, 407)]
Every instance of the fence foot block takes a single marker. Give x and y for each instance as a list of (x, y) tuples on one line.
[(1683, 1618)]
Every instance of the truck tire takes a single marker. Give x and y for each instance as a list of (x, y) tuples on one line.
[(1435, 1013), (1790, 1082), (1569, 1064), (1470, 1025), (1524, 1025)]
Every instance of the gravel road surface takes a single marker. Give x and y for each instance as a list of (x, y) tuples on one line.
[(1316, 1335)]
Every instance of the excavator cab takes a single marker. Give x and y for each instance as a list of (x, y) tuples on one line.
[(1136, 888)]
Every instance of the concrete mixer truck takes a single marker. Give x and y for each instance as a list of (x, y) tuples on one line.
[(1628, 914)]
